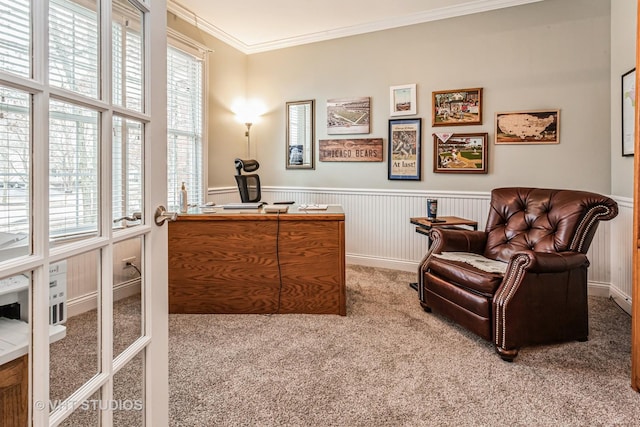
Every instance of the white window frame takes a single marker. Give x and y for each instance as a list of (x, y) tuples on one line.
[(201, 52)]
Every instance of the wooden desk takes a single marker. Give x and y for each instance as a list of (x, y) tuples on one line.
[(246, 261), (423, 225)]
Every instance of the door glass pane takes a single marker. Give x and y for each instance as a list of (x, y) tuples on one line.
[(87, 414), (127, 37), (127, 172), (15, 163), (127, 297), (75, 359), (14, 348), (128, 394), (15, 37), (73, 171), (73, 46)]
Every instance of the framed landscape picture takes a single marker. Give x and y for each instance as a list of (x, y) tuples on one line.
[(348, 115), (460, 153), (405, 149), (402, 100), (528, 127), (457, 107)]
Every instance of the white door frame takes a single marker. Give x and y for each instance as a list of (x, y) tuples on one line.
[(154, 344)]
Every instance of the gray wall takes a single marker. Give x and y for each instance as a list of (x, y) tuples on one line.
[(547, 55), (623, 59), (552, 54)]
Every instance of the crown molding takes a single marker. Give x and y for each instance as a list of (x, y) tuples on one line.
[(463, 9)]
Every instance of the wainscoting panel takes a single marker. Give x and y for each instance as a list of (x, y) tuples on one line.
[(621, 254), (378, 232)]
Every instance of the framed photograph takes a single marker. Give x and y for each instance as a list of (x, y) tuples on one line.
[(405, 149), (460, 153), (528, 127), (628, 111), (457, 107), (348, 115), (402, 100)]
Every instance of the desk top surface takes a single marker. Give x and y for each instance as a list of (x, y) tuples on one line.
[(295, 212)]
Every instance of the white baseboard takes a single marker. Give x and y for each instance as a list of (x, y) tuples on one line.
[(89, 301), (622, 300), (368, 261)]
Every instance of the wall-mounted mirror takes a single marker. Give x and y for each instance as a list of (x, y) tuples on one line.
[(300, 135)]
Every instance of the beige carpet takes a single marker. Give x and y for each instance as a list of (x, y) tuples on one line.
[(388, 363)]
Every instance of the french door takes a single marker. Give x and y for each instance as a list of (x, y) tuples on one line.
[(83, 282)]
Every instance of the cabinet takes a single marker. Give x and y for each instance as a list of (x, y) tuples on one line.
[(14, 385)]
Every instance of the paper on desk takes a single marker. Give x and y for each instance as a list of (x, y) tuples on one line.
[(312, 207)]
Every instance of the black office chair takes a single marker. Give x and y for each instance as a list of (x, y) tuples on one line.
[(248, 185)]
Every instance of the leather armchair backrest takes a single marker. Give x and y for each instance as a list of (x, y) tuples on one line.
[(543, 220)]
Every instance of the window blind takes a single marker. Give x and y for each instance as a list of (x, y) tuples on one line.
[(73, 169), (73, 46), (15, 37), (184, 126), (15, 149)]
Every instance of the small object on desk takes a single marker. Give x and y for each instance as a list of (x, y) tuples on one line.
[(312, 207), (275, 208), (432, 209), (208, 205), (286, 202), (249, 205)]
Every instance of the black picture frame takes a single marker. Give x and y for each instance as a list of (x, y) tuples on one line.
[(628, 112), (405, 149)]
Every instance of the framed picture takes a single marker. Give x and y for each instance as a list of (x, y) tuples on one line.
[(348, 115), (460, 153), (628, 111), (402, 100), (457, 107), (528, 127), (405, 151), (300, 140)]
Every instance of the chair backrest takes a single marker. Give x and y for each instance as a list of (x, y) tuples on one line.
[(249, 188), (544, 220)]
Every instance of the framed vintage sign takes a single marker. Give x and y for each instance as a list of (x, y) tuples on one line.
[(460, 153), (457, 107), (351, 150), (405, 149), (402, 100), (628, 111), (528, 127)]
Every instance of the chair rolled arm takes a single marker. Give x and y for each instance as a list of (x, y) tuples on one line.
[(553, 262), (457, 240)]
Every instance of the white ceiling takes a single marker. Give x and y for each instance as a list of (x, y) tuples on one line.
[(259, 25)]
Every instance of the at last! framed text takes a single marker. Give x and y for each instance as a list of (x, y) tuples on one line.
[(405, 149)]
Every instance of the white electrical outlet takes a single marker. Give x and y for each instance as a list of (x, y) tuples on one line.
[(131, 260)]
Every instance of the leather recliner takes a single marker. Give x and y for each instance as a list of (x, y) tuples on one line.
[(523, 280)]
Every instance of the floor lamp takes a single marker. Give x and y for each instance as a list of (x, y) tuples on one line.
[(247, 134)]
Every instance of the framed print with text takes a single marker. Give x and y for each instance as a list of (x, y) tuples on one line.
[(405, 151)]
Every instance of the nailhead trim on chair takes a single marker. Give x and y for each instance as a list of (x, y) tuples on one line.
[(515, 275), (592, 220)]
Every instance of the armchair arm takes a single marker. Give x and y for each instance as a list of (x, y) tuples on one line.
[(457, 240), (538, 288), (550, 262)]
